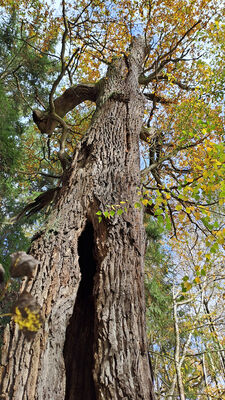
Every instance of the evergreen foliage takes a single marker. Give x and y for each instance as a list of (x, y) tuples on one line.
[(157, 284)]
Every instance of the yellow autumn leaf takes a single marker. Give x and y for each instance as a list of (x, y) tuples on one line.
[(145, 202)]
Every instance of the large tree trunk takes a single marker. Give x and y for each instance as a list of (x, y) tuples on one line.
[(89, 281)]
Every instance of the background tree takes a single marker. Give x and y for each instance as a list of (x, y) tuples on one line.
[(21, 72), (21, 153), (182, 339), (89, 280)]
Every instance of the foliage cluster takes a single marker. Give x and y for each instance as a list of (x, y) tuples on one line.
[(185, 324)]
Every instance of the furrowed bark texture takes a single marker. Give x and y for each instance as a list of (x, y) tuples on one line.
[(90, 276)]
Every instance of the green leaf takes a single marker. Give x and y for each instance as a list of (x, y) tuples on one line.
[(120, 211), (160, 219), (137, 205), (168, 222), (214, 248), (159, 211)]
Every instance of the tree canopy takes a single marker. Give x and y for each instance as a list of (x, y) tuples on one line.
[(182, 81)]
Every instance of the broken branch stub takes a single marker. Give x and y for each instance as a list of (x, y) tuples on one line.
[(22, 264)]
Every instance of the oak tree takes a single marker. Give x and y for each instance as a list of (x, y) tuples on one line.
[(133, 70)]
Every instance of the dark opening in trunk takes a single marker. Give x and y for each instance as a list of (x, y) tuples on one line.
[(78, 348)]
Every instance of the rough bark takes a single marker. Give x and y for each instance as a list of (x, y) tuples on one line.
[(89, 281)]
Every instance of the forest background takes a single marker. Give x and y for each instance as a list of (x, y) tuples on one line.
[(182, 161)]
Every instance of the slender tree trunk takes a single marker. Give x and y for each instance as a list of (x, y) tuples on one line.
[(215, 336), (172, 388), (89, 281), (178, 364), (205, 376), (215, 377)]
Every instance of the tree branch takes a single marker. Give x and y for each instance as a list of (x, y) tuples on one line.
[(175, 82), (72, 97), (157, 98), (147, 134), (164, 59)]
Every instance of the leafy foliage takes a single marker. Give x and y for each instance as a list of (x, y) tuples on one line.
[(187, 312)]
